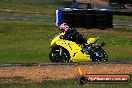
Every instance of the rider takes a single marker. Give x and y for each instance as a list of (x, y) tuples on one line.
[(72, 35)]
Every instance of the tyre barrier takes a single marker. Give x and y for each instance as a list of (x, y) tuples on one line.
[(85, 18)]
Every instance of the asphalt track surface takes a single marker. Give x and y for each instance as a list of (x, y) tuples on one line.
[(31, 18)]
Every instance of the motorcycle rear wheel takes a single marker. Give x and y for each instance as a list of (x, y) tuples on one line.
[(99, 55)]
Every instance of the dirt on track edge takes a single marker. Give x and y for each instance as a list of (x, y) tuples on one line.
[(23, 74)]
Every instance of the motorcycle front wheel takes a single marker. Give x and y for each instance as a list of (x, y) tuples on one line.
[(99, 55), (56, 57)]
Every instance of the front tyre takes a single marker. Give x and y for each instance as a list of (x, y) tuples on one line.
[(56, 57), (99, 55)]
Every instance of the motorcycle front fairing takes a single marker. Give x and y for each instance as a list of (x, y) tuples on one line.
[(56, 38), (74, 49)]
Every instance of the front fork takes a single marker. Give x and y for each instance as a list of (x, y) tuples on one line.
[(60, 51)]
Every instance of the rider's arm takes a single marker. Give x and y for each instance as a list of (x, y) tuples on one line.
[(70, 33)]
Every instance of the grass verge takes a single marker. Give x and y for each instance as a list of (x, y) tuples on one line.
[(28, 42), (122, 18), (69, 83), (31, 9), (25, 41)]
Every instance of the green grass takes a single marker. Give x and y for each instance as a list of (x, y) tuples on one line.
[(118, 43), (43, 8), (25, 41), (118, 48), (122, 18), (123, 28), (69, 83), (28, 42), (31, 9), (48, 2), (38, 8)]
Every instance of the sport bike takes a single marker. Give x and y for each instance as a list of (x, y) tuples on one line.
[(68, 51)]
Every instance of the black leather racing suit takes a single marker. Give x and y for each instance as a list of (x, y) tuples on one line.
[(74, 36)]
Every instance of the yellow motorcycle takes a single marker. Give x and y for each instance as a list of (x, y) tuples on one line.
[(68, 51)]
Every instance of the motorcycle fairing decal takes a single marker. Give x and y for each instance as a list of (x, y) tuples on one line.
[(74, 54), (69, 46)]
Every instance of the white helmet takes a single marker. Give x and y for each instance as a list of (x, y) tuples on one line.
[(64, 27)]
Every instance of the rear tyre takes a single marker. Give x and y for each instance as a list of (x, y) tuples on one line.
[(99, 55), (56, 57)]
